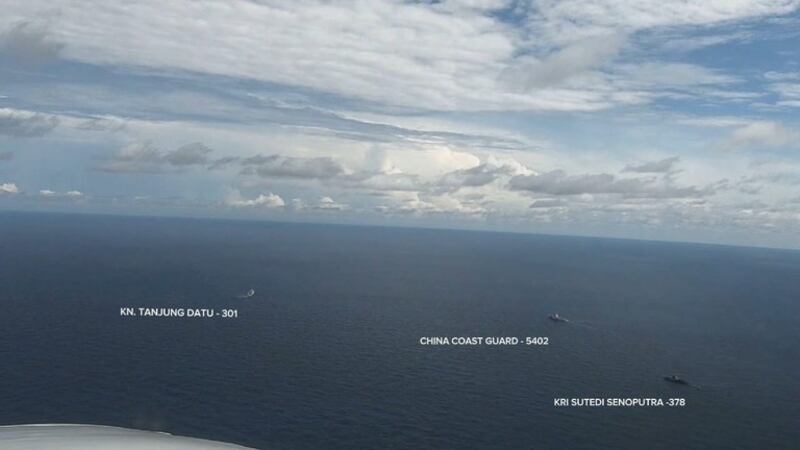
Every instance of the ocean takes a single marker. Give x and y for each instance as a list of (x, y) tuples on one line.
[(327, 353)]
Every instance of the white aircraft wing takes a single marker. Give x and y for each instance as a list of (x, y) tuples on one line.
[(96, 437)]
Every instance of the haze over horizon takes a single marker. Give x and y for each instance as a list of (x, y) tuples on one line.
[(610, 118)]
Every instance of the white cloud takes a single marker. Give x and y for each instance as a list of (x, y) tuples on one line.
[(576, 19), (473, 5), (73, 194), (340, 122), (759, 135), (443, 56), (438, 58), (8, 188), (416, 204), (655, 75), (430, 160), (268, 200), (788, 93), (532, 73), (19, 123), (329, 204), (692, 43), (781, 76)]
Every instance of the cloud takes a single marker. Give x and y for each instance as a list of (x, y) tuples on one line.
[(324, 203), (545, 203), (139, 157), (6, 156), (143, 157), (447, 56), (559, 183), (661, 75), (29, 44), (576, 58), (329, 204), (791, 178), (72, 195), (268, 200), (433, 169), (575, 19), (102, 124), (438, 56), (18, 123), (693, 43), (788, 93), (760, 135), (781, 76), (8, 189), (481, 174), (415, 203), (222, 162), (666, 165), (189, 154), (473, 5), (323, 167), (385, 181), (337, 129)]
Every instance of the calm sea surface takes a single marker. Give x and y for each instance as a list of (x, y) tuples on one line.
[(326, 354)]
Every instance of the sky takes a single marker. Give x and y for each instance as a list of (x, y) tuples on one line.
[(623, 118)]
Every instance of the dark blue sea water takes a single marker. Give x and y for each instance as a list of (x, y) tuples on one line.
[(326, 354)]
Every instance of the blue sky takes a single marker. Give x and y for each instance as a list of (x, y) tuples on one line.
[(639, 119)]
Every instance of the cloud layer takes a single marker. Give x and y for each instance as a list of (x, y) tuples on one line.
[(581, 116)]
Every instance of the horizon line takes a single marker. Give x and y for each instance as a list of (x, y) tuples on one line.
[(390, 226)]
